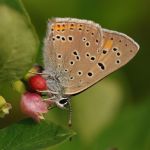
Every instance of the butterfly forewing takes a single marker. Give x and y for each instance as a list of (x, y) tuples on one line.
[(76, 43)]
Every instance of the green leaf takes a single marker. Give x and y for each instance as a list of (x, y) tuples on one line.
[(13, 96), (18, 41), (28, 135), (130, 131)]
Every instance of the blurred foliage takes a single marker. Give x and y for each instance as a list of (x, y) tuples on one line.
[(15, 24), (130, 84), (28, 135), (130, 130), (18, 50), (114, 112)]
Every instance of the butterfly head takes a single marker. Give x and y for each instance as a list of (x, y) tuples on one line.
[(62, 103)]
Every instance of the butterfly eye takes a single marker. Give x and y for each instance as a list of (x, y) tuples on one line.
[(63, 101)]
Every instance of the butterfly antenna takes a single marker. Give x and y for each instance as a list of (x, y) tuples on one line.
[(70, 114)]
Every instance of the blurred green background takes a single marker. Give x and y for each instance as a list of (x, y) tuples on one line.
[(130, 17), (115, 112)]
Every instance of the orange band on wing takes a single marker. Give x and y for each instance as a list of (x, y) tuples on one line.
[(108, 44), (61, 27), (58, 27)]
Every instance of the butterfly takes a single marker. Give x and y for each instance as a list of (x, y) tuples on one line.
[(79, 53)]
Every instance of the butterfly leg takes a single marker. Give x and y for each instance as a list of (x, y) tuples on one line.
[(50, 98), (50, 102), (47, 91)]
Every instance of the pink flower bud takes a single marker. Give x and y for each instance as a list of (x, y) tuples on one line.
[(33, 106)]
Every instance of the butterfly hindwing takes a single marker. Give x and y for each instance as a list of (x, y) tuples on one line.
[(117, 50), (75, 43)]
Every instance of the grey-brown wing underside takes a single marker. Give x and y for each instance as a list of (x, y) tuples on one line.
[(81, 53)]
